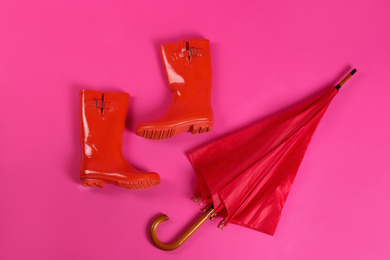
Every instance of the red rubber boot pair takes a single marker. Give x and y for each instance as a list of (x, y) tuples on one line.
[(103, 116)]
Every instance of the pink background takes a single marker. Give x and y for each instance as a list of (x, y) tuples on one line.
[(266, 57)]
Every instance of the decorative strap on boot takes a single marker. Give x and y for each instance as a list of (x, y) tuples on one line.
[(192, 52), (98, 103)]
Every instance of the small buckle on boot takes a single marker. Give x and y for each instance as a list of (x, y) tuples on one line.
[(101, 103), (193, 52)]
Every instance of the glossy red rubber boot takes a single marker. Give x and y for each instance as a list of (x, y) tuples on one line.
[(188, 68), (102, 122)]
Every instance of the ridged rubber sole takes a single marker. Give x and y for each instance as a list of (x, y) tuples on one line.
[(131, 185), (159, 133)]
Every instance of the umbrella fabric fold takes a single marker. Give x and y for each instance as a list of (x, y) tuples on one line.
[(248, 175)]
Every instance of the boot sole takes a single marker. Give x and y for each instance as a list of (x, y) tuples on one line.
[(131, 185), (165, 132)]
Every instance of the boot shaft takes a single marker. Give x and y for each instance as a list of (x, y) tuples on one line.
[(102, 122), (188, 69), (187, 65)]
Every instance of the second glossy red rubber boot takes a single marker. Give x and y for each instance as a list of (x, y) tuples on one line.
[(188, 68), (102, 122)]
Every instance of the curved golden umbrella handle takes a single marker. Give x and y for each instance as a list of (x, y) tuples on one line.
[(183, 238)]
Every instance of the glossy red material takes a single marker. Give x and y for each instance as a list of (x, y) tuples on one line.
[(188, 69), (248, 175), (102, 122)]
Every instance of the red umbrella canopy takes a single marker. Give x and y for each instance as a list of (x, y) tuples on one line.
[(248, 175)]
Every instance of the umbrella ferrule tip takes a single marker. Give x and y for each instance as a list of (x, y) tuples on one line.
[(353, 71)]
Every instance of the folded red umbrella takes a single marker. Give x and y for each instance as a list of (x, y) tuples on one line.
[(248, 175)]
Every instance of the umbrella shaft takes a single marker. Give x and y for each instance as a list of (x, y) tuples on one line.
[(345, 79)]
